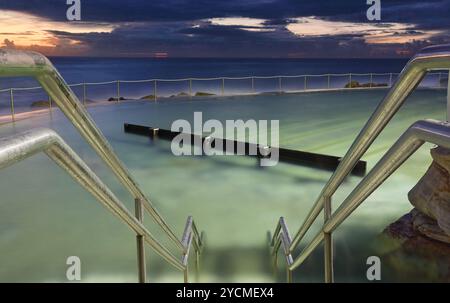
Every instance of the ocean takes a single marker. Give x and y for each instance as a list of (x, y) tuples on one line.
[(76, 69)]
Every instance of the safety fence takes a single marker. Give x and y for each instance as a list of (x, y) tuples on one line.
[(22, 102)]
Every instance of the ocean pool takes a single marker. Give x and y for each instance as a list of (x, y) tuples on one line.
[(46, 217)]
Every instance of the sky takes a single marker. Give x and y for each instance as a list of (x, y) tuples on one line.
[(225, 28)]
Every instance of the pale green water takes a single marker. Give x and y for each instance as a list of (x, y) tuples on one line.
[(45, 217)]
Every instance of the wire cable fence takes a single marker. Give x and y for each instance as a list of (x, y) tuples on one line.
[(21, 102)]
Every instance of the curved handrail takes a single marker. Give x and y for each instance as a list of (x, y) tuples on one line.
[(23, 63), (430, 58), (411, 140), (18, 147)]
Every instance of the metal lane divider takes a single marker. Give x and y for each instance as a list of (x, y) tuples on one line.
[(14, 63), (429, 59)]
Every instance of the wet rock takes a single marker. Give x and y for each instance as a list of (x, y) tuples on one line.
[(356, 84), (416, 247), (428, 227), (431, 195), (41, 103), (409, 252)]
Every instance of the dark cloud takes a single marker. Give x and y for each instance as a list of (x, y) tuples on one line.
[(144, 26), (185, 10), (188, 10)]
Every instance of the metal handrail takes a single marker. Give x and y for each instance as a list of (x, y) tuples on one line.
[(430, 58), (282, 237), (432, 131), (191, 237), (14, 63), (19, 147)]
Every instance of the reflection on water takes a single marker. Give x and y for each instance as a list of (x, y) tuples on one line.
[(45, 217)]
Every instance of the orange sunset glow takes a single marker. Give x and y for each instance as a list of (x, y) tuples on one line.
[(26, 31)]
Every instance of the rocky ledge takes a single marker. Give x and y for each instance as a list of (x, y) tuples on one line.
[(420, 240), (431, 200)]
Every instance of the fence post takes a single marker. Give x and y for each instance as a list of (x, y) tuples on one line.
[(11, 93), (223, 86), (118, 90), (154, 91), (448, 97), (84, 94), (142, 272)]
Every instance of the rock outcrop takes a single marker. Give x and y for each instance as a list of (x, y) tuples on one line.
[(417, 246), (410, 254), (431, 196)]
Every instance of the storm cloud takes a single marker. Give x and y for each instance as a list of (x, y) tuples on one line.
[(239, 28)]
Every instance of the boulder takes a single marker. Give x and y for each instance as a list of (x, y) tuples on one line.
[(431, 195)]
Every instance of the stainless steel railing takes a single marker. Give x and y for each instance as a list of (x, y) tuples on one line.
[(15, 63), (431, 58), (18, 147)]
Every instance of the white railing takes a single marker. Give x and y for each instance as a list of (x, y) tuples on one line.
[(23, 100)]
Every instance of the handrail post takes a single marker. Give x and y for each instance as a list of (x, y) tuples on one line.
[(253, 85), (275, 265), (11, 98), (279, 85), (118, 90), (390, 79), (186, 275), (154, 91), (289, 275), (197, 265), (142, 271), (350, 80), (190, 88), (50, 103), (329, 81), (306, 81), (328, 244), (371, 80), (223, 86)]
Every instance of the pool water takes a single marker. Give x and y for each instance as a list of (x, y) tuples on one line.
[(46, 217)]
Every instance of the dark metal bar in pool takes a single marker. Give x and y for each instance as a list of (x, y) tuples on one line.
[(308, 159)]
